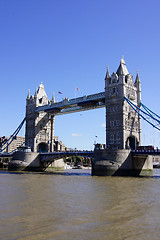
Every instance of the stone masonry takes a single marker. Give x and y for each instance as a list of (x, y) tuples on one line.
[(123, 124)]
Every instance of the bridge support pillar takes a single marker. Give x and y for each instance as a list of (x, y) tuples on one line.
[(120, 162), (25, 161), (143, 164), (52, 134), (31, 161)]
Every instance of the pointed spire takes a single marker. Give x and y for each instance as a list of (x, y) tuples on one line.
[(137, 81), (41, 92), (53, 98), (41, 85), (137, 77), (107, 73), (28, 96), (122, 69), (35, 95)]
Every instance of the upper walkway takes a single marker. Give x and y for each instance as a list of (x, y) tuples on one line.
[(75, 105)]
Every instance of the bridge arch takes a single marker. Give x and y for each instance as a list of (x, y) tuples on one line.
[(132, 142), (42, 147)]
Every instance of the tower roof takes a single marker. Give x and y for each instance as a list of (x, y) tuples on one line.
[(53, 98), (122, 69), (137, 78), (28, 96), (41, 92), (137, 81)]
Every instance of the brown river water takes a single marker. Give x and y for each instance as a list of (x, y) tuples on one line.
[(75, 205)]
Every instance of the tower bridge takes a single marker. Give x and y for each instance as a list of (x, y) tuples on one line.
[(122, 101), (123, 125)]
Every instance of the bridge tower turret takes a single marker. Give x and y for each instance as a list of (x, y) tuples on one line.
[(138, 86), (123, 124), (39, 132)]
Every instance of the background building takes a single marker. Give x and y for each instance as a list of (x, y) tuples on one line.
[(17, 141)]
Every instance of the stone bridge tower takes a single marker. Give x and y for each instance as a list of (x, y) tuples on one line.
[(39, 134), (123, 124)]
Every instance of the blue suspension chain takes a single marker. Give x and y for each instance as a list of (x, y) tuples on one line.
[(138, 110), (9, 141)]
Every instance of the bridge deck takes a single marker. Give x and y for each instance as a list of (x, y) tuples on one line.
[(48, 155), (54, 155)]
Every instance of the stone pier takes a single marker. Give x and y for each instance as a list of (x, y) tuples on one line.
[(121, 162), (30, 161)]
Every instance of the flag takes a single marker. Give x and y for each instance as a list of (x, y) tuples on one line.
[(60, 92), (77, 89)]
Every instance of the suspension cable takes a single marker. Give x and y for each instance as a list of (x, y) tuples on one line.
[(148, 114), (149, 110), (12, 137), (137, 109)]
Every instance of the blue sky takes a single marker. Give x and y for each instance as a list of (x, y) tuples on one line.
[(68, 44)]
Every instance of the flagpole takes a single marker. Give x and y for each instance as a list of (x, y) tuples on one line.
[(76, 89), (58, 95)]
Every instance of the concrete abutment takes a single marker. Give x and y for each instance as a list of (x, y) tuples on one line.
[(121, 162), (30, 161)]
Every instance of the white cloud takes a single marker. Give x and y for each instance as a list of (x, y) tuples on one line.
[(103, 125), (76, 135)]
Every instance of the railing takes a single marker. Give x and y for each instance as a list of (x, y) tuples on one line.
[(148, 152)]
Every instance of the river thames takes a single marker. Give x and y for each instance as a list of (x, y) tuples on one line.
[(75, 205)]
